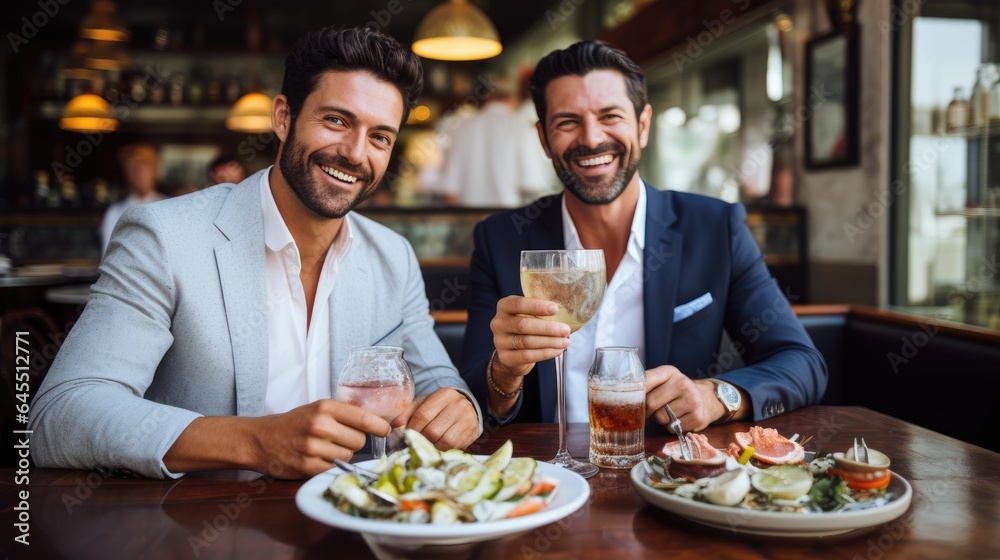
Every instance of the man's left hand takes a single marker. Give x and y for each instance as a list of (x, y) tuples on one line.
[(694, 402), (445, 417)]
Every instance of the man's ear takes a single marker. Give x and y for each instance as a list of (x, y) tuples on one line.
[(645, 117), (281, 117), (541, 138)]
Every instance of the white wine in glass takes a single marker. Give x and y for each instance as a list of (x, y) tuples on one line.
[(377, 379), (575, 282)]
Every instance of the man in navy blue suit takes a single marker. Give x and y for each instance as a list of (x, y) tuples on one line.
[(681, 268)]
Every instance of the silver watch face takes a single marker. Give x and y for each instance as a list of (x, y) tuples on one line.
[(729, 395)]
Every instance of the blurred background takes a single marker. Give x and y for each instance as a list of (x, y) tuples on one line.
[(861, 135)]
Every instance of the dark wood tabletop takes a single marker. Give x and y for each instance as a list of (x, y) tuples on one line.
[(955, 511)]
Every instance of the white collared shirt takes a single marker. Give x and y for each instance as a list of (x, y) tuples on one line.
[(618, 322), (298, 358)]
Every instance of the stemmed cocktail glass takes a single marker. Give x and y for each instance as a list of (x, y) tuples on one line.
[(574, 281)]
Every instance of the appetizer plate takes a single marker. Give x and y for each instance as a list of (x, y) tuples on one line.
[(572, 493), (774, 523)]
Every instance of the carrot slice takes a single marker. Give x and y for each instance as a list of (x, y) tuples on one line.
[(541, 487), (526, 507), (413, 505)]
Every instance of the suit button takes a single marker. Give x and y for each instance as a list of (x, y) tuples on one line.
[(781, 408)]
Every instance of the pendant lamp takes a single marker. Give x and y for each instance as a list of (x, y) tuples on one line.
[(88, 112), (457, 30)]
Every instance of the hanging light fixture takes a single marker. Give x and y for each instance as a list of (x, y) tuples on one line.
[(457, 30), (251, 114), (88, 113), (104, 23)]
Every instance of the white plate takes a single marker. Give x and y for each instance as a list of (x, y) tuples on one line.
[(572, 493), (775, 523)]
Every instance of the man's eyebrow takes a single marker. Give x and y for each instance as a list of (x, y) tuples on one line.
[(569, 114), (350, 114)]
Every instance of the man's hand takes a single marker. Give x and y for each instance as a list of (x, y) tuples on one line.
[(297, 444), (537, 339), (693, 401), (445, 417), (305, 440)]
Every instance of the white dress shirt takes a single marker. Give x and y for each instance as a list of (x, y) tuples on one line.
[(618, 322), (495, 160), (298, 357)]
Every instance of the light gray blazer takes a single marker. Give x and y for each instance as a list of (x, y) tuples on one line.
[(176, 328)]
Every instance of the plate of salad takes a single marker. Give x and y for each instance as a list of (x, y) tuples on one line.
[(765, 484), (445, 498)]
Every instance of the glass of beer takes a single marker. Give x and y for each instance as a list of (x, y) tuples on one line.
[(616, 388)]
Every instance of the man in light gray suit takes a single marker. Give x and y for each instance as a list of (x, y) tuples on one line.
[(215, 335)]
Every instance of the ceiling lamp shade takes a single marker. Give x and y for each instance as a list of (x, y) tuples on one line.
[(456, 30), (104, 23), (76, 63), (106, 55), (88, 113), (251, 113)]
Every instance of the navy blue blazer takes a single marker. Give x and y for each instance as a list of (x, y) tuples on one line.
[(694, 245)]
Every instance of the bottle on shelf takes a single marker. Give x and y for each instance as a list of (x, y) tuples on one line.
[(41, 189), (994, 103), (956, 116), (980, 98)]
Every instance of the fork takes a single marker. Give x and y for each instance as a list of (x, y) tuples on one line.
[(369, 477), (675, 427)]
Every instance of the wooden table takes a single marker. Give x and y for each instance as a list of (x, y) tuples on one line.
[(955, 512)]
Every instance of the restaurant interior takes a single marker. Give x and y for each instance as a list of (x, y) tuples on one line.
[(862, 136)]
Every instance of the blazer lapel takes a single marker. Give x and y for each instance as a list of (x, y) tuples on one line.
[(242, 274), (548, 234), (661, 262)]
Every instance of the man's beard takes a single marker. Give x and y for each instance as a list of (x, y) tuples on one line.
[(597, 190), (323, 200)]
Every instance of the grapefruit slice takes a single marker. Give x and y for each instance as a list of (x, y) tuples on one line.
[(770, 446)]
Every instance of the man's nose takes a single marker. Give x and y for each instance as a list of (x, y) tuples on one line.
[(591, 134), (353, 147)]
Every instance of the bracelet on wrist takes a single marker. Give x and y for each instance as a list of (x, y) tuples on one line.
[(493, 385)]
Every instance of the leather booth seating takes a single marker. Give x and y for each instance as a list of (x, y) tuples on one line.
[(934, 374)]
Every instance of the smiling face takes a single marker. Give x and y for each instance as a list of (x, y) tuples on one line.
[(592, 134), (336, 150)]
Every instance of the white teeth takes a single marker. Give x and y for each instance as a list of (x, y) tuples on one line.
[(338, 174), (600, 160)]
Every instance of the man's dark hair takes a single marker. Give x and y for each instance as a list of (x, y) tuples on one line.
[(345, 50), (578, 60)]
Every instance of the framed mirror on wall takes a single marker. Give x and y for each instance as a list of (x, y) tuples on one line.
[(831, 97)]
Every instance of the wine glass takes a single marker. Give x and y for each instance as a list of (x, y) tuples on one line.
[(377, 379), (574, 281)]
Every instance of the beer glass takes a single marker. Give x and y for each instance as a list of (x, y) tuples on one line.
[(376, 378), (574, 281), (616, 390)]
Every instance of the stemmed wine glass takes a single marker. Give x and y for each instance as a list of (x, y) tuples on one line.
[(377, 379), (575, 281)]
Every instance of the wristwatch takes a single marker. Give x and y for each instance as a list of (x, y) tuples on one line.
[(730, 398)]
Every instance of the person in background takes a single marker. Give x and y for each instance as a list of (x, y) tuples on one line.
[(216, 333), (226, 169), (682, 269), (494, 159), (140, 165)]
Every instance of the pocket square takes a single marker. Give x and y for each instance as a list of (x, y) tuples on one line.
[(688, 309)]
